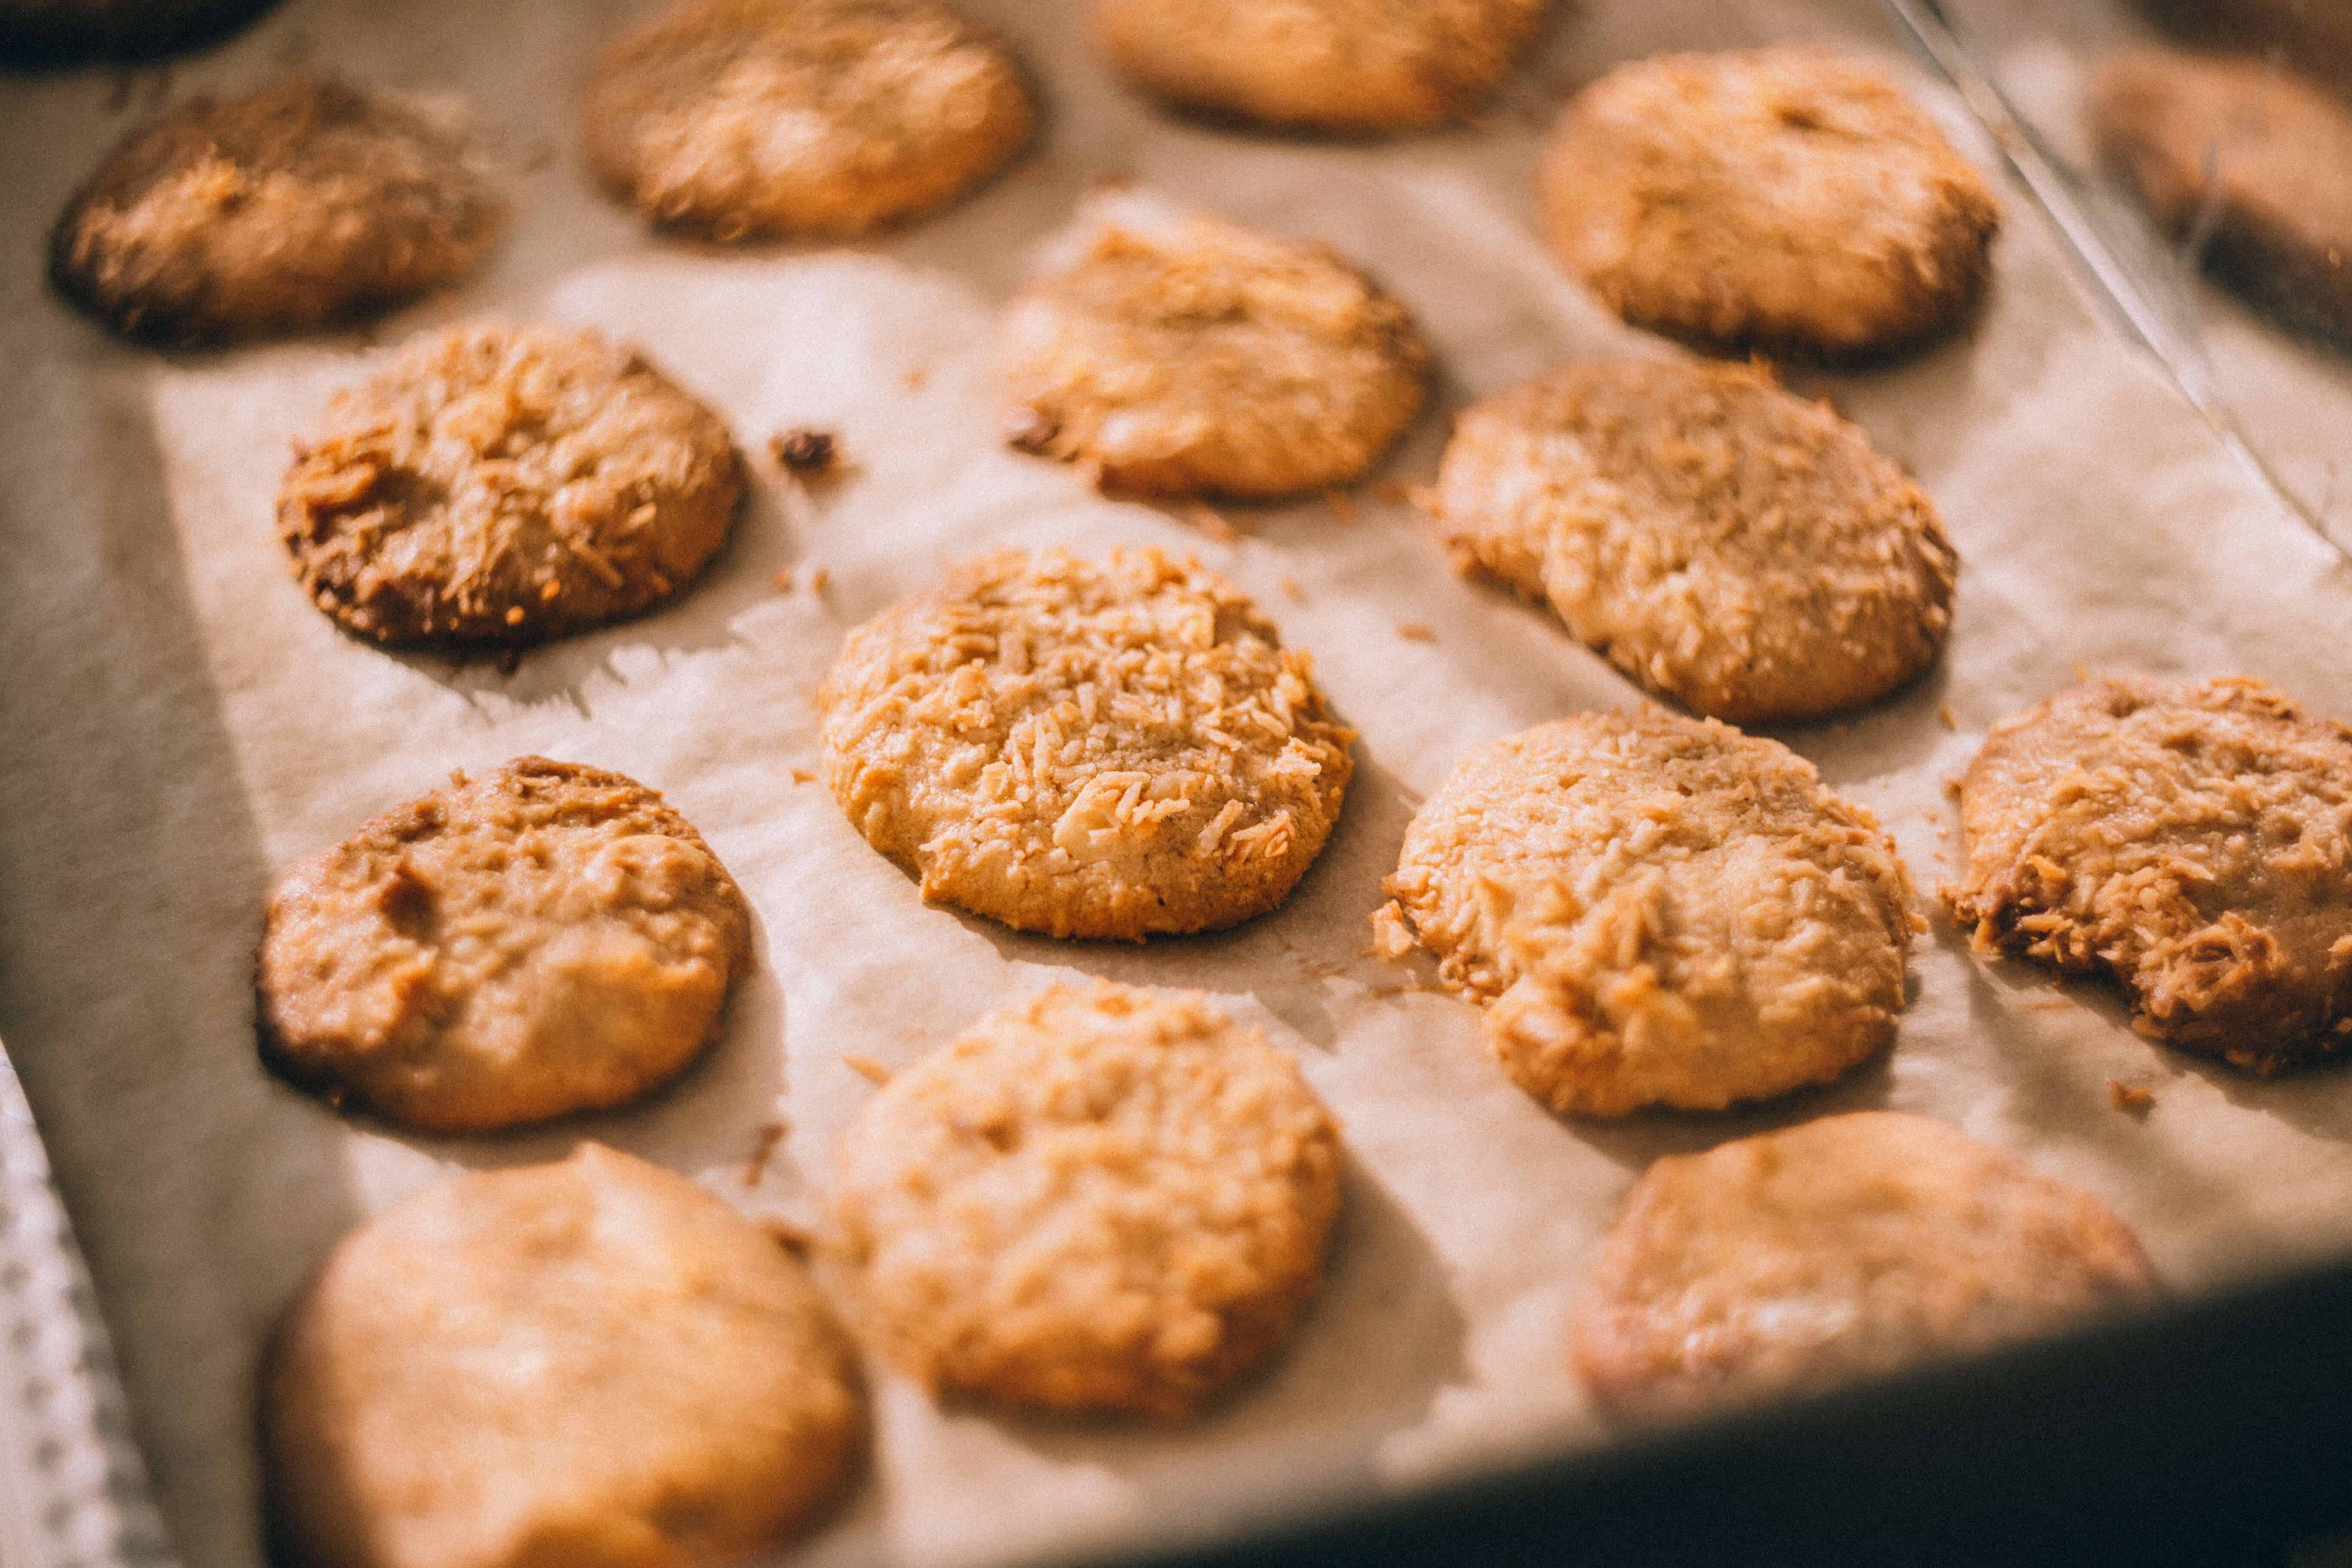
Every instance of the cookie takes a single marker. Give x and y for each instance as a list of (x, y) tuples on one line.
[(1845, 1249), (752, 119), (1352, 67), (1742, 551), (1655, 910), (2186, 838), (545, 938), (1179, 354), (1106, 1200), (594, 1363), (2310, 35), (64, 32), (306, 205), (507, 484), (2250, 160), (1120, 750), (1790, 198)]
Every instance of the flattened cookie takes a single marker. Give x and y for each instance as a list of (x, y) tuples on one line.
[(594, 1363), (546, 939), (2256, 160), (498, 484), (2188, 838), (1181, 354), (1725, 544), (1845, 1249), (1655, 910), (62, 31), (1120, 750), (305, 205), (1790, 198), (1345, 66), (1109, 1199), (748, 118)]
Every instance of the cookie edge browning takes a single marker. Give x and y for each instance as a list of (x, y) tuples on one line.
[(286, 1061)]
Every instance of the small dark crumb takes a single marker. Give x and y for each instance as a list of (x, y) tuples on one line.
[(1029, 428), (869, 1069), (792, 1237), (2130, 1098), (1944, 712), (804, 452), (802, 776), (782, 581), (819, 579), (916, 378), (1416, 631), (1342, 505), (1291, 590), (763, 1146), (1952, 786)]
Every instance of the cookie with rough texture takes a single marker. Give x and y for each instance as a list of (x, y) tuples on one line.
[(594, 1363), (2186, 838), (751, 119), (1655, 910), (43, 32), (1178, 354), (1352, 67), (2251, 159), (505, 484), (1743, 550), (1791, 197), (1120, 748), (545, 938), (1845, 1249), (1107, 1199), (302, 206)]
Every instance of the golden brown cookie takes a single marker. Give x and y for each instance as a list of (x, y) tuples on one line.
[(2188, 838), (1120, 748), (1181, 354), (1740, 549), (305, 205), (545, 938), (1655, 910), (752, 119), (594, 1363), (1107, 1199), (1791, 197), (503, 484), (62, 32), (2256, 162), (1845, 1249), (1345, 66)]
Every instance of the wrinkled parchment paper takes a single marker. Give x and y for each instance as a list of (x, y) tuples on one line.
[(180, 725)]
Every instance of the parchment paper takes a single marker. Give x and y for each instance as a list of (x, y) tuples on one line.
[(180, 725)]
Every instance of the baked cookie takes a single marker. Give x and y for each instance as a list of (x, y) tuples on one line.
[(1791, 197), (2310, 35), (1107, 1199), (596, 1363), (1116, 749), (1740, 549), (2188, 838), (62, 32), (1353, 67), (1181, 354), (501, 484), (305, 205), (1845, 1249), (1655, 910), (749, 119), (545, 938), (2256, 162)]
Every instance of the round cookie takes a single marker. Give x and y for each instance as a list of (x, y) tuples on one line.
[(302, 206), (1353, 67), (749, 119), (1790, 198), (2249, 158), (1114, 750), (1725, 544), (1109, 1199), (503, 484), (546, 939), (2186, 838), (1178, 354), (1845, 1248), (62, 32), (594, 1363), (1655, 910)]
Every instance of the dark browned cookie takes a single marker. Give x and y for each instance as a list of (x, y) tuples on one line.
[(546, 939), (503, 484), (2315, 35), (751, 119), (2190, 838), (304, 205), (2256, 162), (1791, 197), (63, 32)]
